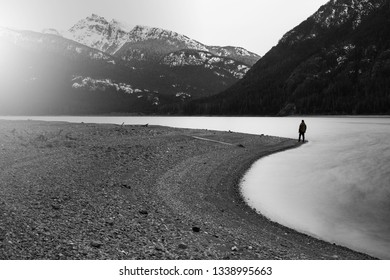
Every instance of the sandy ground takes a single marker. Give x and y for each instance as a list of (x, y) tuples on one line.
[(88, 191)]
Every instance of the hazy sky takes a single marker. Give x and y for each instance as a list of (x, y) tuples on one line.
[(253, 24)]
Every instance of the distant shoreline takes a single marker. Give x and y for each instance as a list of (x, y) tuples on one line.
[(105, 191), (11, 117)]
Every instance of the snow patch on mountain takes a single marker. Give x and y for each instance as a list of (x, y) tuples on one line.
[(30, 40), (91, 84), (102, 85), (122, 25), (143, 33), (207, 60), (237, 53), (183, 95), (333, 14), (338, 12), (51, 31), (138, 43), (96, 32)]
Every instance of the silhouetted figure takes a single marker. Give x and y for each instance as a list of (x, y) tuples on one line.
[(302, 130)]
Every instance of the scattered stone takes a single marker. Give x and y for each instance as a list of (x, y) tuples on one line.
[(126, 186), (196, 229), (158, 248), (250, 247), (110, 222), (55, 206), (234, 248), (182, 246), (143, 212), (241, 146), (96, 244)]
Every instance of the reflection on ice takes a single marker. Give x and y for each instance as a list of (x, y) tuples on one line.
[(336, 187)]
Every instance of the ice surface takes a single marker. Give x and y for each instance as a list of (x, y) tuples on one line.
[(336, 187)]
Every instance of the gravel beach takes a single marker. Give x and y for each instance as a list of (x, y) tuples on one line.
[(101, 191)]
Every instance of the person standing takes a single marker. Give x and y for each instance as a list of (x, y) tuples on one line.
[(302, 130)]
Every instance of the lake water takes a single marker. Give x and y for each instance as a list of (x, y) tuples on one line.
[(335, 187)]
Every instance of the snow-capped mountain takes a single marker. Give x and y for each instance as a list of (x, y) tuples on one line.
[(142, 42), (151, 44), (48, 74), (96, 32), (337, 12), (51, 42), (52, 75), (237, 53), (333, 14), (335, 62), (221, 66), (177, 41)]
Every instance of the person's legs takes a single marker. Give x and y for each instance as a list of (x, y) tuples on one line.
[(299, 139), (303, 137)]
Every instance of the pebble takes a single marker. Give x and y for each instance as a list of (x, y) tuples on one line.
[(110, 222), (158, 248), (196, 229), (56, 206), (182, 246), (234, 248), (143, 212), (96, 244), (126, 186)]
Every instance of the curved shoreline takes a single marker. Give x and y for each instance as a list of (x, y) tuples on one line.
[(88, 191), (276, 241)]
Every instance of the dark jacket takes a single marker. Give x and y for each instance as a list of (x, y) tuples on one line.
[(302, 127)]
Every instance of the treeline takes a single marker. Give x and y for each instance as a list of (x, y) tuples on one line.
[(341, 71)]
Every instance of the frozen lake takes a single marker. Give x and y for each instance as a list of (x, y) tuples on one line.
[(336, 187)]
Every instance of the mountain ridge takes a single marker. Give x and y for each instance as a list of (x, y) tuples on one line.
[(328, 66), (83, 79), (108, 36)]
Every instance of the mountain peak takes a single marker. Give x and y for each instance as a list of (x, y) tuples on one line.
[(143, 33), (331, 63), (121, 25), (333, 14), (154, 32), (337, 12), (96, 17), (118, 38), (96, 32)]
